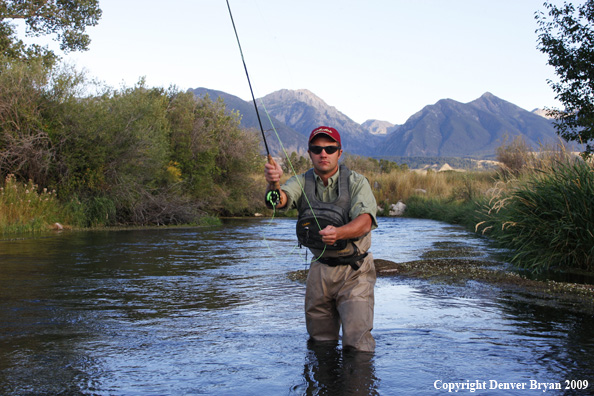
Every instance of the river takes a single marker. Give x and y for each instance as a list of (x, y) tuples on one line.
[(211, 311)]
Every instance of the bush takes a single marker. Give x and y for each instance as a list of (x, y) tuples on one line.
[(401, 185), (215, 157), (515, 156), (295, 164), (547, 222)]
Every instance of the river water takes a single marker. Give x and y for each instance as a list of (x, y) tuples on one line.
[(211, 311)]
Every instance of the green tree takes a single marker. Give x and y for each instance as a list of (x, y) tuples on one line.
[(66, 19), (566, 35)]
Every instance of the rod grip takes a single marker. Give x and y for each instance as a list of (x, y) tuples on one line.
[(275, 185), (273, 195)]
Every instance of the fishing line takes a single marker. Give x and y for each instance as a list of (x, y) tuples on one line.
[(273, 196), (294, 173)]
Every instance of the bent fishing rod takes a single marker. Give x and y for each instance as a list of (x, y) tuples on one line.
[(273, 196)]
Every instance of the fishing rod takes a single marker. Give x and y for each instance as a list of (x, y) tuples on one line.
[(273, 196)]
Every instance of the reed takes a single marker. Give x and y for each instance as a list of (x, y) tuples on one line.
[(25, 209)]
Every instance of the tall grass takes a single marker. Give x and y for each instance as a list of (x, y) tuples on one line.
[(402, 185), (547, 219), (24, 209)]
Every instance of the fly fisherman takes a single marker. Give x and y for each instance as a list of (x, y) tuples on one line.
[(335, 223)]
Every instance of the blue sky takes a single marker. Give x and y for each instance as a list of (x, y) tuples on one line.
[(370, 59)]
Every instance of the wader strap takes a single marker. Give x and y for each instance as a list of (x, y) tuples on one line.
[(350, 260)]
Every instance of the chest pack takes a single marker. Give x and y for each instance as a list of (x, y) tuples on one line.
[(317, 215)]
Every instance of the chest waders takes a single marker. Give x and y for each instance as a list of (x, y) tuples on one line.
[(335, 213)]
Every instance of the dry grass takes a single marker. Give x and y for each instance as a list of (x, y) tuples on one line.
[(24, 208), (401, 185)]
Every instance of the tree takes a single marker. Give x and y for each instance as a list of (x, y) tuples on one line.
[(25, 144), (67, 19), (566, 34)]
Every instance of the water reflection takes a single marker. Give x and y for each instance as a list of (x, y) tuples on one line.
[(560, 340), (330, 370)]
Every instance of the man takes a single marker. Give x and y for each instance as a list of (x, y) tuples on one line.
[(335, 223)]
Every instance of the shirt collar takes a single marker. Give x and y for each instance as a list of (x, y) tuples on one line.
[(331, 182)]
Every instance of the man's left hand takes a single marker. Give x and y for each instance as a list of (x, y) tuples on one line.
[(329, 235)]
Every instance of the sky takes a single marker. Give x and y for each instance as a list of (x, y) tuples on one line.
[(370, 59)]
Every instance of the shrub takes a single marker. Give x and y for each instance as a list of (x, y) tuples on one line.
[(515, 156)]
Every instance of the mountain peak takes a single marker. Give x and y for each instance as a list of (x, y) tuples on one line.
[(303, 111), (377, 127), (491, 103), (300, 95)]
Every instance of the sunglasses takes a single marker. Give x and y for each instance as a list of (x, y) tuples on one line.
[(328, 149)]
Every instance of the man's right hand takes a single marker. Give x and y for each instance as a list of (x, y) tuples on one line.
[(272, 172)]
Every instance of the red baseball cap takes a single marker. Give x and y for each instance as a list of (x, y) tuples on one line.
[(328, 131)]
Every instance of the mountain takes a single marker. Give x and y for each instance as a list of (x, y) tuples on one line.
[(447, 128), (474, 129), (303, 111), (291, 140), (377, 127)]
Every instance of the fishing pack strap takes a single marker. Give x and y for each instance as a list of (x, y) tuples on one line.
[(349, 260)]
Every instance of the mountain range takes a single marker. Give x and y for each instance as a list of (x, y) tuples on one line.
[(447, 128)]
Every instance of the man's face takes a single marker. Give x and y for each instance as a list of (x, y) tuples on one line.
[(324, 163)]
